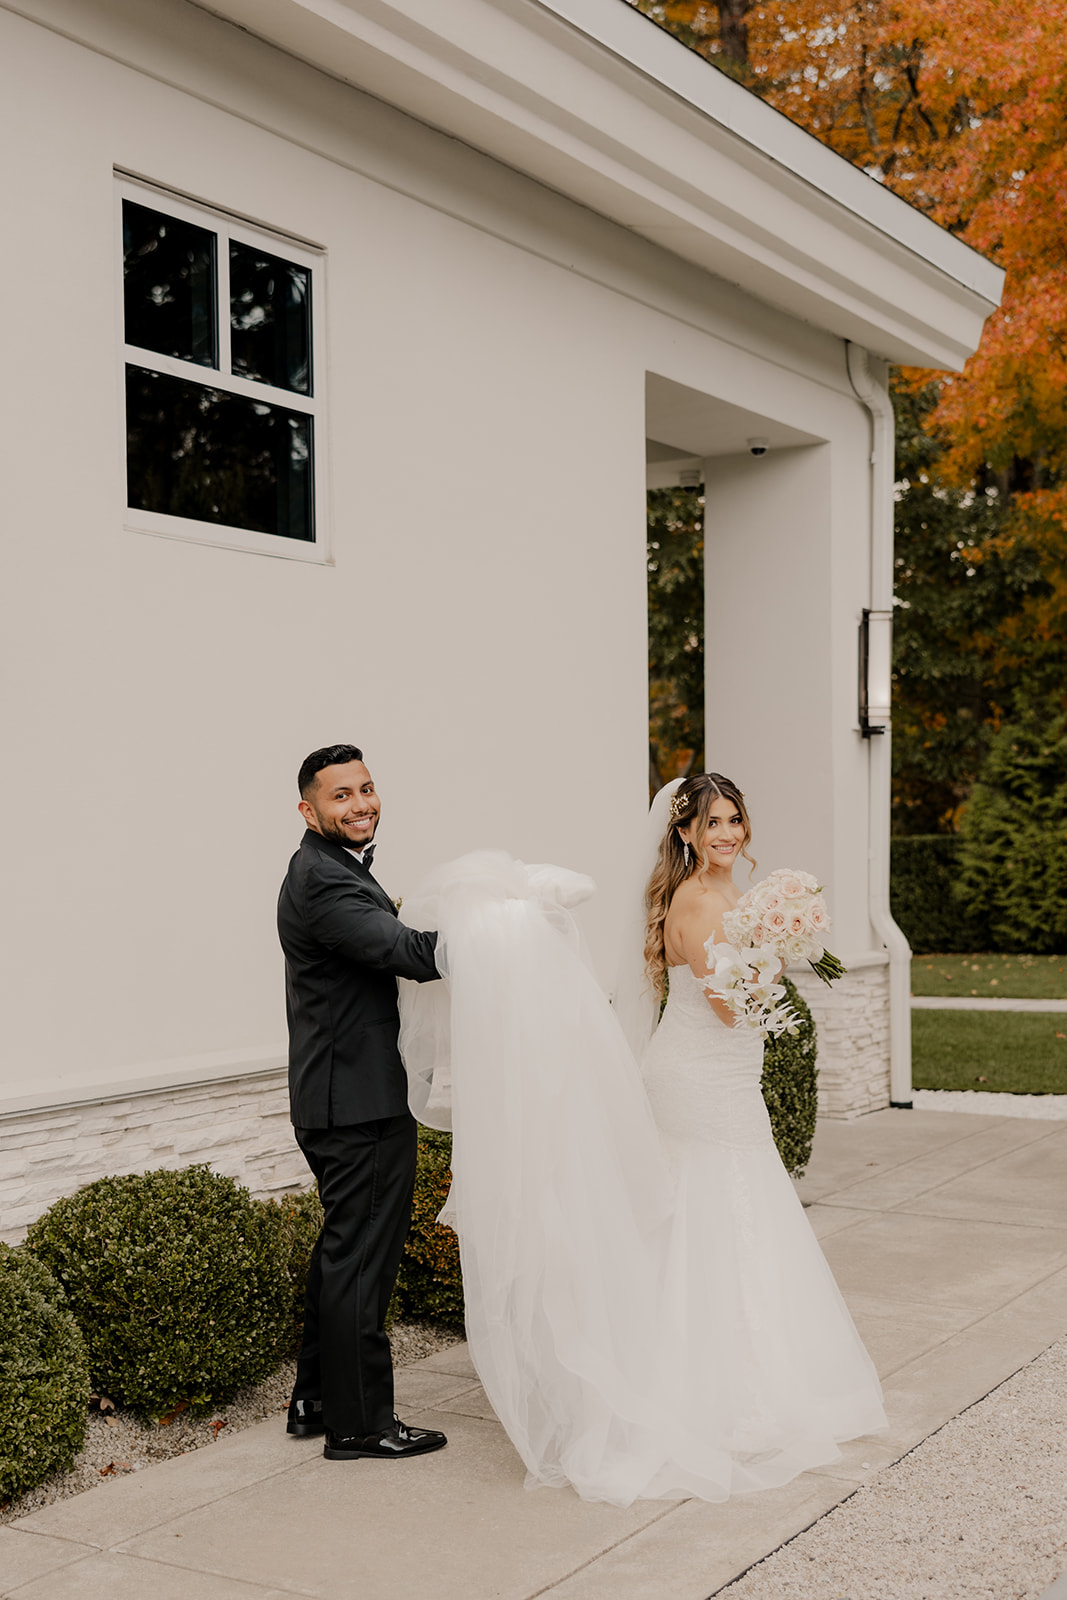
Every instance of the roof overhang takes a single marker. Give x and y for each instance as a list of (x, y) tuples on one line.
[(591, 99)]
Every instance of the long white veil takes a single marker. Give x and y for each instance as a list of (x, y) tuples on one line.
[(560, 1194)]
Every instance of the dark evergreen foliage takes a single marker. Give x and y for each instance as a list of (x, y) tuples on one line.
[(44, 1375), (1013, 851), (675, 634), (790, 1081), (955, 592), (430, 1285), (178, 1281), (298, 1220), (922, 896)]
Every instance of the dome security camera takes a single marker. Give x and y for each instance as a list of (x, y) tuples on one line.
[(759, 447)]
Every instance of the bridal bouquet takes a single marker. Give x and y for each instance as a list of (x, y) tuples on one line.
[(743, 981), (782, 920), (785, 913)]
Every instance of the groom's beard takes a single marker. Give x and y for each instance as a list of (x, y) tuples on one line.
[(333, 830)]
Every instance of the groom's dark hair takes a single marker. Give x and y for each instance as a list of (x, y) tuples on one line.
[(331, 755)]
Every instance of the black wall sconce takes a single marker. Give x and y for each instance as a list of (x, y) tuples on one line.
[(876, 672)]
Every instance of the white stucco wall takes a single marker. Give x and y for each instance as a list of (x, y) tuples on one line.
[(482, 630), (785, 539)]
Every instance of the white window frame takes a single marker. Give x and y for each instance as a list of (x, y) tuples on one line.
[(226, 226)]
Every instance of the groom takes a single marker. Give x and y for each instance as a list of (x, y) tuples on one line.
[(344, 950)]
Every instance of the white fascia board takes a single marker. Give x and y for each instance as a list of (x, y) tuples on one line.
[(590, 98)]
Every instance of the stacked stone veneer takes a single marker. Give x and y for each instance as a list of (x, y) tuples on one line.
[(852, 1023), (239, 1126)]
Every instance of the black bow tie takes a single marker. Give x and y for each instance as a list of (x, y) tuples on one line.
[(368, 855)]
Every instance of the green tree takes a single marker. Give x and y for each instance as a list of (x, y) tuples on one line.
[(675, 634), (960, 595), (1013, 850)]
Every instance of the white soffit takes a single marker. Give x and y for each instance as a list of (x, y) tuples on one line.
[(592, 99), (683, 424)]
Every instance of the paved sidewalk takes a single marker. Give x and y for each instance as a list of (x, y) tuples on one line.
[(948, 1235)]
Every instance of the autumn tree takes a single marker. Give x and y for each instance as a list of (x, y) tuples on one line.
[(717, 30), (960, 110)]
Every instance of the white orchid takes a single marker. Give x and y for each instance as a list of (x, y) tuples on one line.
[(725, 962), (744, 981), (764, 960)]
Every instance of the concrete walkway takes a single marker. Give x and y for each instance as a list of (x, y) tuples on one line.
[(948, 1235)]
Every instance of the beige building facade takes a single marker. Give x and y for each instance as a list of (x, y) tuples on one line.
[(459, 282)]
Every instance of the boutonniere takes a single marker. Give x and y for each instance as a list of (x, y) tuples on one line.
[(399, 901)]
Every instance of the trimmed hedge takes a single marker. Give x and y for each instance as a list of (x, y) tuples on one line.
[(298, 1221), (924, 873), (178, 1281), (789, 1084), (44, 1375), (430, 1285)]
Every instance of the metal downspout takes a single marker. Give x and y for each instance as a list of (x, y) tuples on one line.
[(875, 397)]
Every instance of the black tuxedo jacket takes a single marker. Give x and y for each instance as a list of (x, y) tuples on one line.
[(344, 950)]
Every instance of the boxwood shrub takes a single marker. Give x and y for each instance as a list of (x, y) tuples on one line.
[(178, 1281), (297, 1219), (430, 1285), (44, 1375), (789, 1087)]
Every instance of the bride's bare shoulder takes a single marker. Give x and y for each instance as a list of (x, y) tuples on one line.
[(693, 898), (695, 915)]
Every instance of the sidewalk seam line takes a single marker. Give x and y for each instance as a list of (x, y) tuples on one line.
[(582, 1566)]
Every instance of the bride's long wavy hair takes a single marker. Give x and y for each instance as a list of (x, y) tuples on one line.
[(693, 801)]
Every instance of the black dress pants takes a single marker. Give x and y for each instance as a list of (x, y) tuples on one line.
[(366, 1177)]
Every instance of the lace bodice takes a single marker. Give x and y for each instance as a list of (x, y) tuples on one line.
[(703, 1078)]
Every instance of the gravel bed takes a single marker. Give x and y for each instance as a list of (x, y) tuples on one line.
[(118, 1442), (1051, 1107), (976, 1512)]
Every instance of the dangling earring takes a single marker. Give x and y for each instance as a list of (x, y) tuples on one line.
[(685, 853)]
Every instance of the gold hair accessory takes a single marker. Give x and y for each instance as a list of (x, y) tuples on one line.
[(678, 805)]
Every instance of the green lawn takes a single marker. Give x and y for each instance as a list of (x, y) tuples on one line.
[(1022, 1052), (1010, 977)]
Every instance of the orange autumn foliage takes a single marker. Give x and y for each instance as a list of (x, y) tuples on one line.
[(962, 110)]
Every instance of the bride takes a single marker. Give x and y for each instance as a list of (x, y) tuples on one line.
[(647, 1307)]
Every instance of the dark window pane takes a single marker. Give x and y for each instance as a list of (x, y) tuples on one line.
[(270, 319), (200, 453), (169, 287)]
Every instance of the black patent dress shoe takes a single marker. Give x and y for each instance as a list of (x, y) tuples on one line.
[(305, 1418), (389, 1444)]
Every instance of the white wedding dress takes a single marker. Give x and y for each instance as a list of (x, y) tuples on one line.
[(647, 1307), (759, 1345)]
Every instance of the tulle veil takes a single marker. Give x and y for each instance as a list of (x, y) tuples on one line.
[(560, 1193)]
